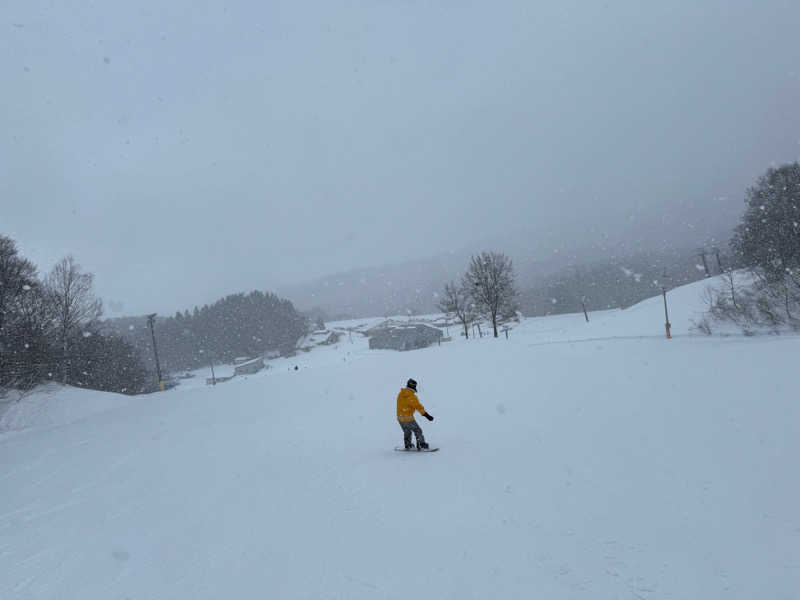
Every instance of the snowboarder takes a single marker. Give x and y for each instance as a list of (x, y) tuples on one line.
[(407, 403)]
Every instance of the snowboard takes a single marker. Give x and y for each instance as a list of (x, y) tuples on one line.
[(399, 449)]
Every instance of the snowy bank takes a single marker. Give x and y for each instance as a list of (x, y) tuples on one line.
[(52, 405)]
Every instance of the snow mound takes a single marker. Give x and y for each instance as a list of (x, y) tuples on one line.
[(53, 405)]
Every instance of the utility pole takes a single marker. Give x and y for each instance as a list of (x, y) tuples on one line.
[(151, 319), (719, 262), (702, 253), (211, 363), (667, 325)]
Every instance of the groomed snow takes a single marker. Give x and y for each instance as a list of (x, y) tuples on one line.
[(578, 460)]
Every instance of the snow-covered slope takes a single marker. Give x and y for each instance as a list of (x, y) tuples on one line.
[(621, 466), (685, 305)]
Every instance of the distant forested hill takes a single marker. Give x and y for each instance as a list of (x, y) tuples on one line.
[(236, 325)]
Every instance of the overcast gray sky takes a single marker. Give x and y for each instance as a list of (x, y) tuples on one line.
[(183, 150)]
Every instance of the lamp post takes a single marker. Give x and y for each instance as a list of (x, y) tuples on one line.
[(151, 319)]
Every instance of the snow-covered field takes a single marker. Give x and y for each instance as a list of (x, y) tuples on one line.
[(577, 460)]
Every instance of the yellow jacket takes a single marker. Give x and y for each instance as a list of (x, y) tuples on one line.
[(407, 403)]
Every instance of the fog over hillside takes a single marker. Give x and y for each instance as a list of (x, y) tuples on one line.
[(542, 257), (183, 153)]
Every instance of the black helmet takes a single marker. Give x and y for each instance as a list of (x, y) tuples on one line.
[(411, 384)]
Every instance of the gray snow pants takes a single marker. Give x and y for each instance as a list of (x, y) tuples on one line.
[(408, 428)]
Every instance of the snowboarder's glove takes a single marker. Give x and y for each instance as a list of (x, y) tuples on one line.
[(427, 416)]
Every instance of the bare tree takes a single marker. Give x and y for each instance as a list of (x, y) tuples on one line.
[(456, 301), (490, 281), (730, 280), (17, 276), (29, 334), (73, 301)]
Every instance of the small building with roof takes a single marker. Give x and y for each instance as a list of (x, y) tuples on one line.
[(249, 367), (404, 337)]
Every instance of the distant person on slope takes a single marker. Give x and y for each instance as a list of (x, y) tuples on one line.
[(407, 403)]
